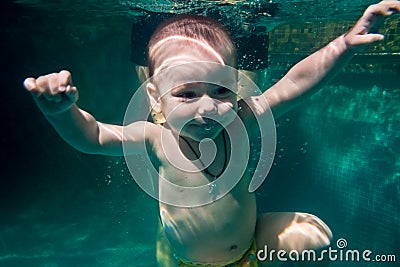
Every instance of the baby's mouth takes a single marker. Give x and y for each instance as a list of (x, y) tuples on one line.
[(207, 124)]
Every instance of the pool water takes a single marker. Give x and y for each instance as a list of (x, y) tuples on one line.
[(338, 154)]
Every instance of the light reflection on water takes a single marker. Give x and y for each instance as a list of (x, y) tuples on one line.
[(254, 11)]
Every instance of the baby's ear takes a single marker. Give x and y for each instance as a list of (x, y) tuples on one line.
[(142, 73), (154, 96)]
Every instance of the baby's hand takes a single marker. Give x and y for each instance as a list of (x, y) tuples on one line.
[(359, 34), (54, 93)]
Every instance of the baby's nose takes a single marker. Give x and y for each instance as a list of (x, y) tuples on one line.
[(207, 105)]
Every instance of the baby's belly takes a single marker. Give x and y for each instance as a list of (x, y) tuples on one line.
[(214, 233)]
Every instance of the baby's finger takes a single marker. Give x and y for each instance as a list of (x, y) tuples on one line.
[(43, 84), (64, 80), (31, 86), (369, 38), (385, 8), (373, 37), (70, 89), (53, 84), (395, 7)]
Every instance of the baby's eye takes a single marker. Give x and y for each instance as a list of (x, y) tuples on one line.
[(222, 91), (186, 95)]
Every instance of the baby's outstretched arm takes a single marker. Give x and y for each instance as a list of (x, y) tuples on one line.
[(307, 76), (56, 95)]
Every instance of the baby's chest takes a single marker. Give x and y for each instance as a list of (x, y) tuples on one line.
[(238, 206)]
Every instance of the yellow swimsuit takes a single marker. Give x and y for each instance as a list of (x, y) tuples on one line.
[(248, 259)]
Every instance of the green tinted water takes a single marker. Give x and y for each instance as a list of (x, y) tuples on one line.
[(338, 154)]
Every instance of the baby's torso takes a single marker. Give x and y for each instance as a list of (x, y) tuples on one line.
[(216, 232)]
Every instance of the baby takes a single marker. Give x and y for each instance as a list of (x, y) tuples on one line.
[(184, 53)]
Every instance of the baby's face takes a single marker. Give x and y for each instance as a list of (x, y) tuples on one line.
[(196, 88), (199, 110)]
